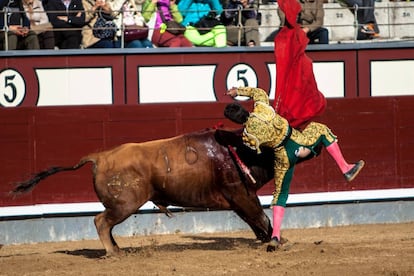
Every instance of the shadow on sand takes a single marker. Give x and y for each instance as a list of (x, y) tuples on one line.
[(200, 243)]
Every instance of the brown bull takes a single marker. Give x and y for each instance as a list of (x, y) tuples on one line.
[(191, 170)]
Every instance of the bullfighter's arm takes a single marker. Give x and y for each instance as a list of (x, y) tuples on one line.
[(257, 94)]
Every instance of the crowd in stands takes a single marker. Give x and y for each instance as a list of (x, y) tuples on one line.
[(74, 24)]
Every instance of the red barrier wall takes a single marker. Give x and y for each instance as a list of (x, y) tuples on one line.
[(378, 130)]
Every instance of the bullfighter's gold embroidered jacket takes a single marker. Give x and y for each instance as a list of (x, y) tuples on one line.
[(264, 126)]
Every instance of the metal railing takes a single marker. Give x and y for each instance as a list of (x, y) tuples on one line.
[(395, 21), (405, 9)]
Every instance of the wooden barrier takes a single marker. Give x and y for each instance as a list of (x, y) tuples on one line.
[(378, 130)]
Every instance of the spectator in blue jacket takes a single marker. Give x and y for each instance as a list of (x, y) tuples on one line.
[(202, 26), (68, 15)]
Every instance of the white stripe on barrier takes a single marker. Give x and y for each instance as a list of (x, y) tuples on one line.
[(306, 198), (343, 196)]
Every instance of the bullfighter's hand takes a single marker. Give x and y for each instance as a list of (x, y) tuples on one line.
[(232, 92)]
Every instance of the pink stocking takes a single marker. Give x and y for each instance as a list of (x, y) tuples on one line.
[(278, 213), (336, 154)]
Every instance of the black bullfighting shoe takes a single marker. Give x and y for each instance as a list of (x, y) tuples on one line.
[(352, 173)]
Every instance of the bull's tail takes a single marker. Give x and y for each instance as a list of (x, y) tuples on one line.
[(28, 185)]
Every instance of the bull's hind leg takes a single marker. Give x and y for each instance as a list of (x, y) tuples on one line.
[(122, 192), (105, 222), (120, 204), (104, 228)]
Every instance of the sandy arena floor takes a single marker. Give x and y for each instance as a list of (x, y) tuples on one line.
[(352, 250)]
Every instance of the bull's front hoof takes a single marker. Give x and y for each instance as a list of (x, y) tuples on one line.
[(114, 255), (263, 238), (273, 245)]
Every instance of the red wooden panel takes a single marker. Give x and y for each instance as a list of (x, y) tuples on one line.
[(139, 131), (405, 110), (201, 111), (266, 189), (61, 131), (15, 116), (13, 171), (67, 187), (309, 176), (406, 164), (405, 141), (54, 153), (15, 150), (14, 133), (194, 125), (206, 115), (68, 114), (142, 112), (378, 130)]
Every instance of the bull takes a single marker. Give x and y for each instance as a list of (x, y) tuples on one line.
[(194, 170)]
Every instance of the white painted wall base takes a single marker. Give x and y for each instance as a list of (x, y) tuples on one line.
[(55, 229)]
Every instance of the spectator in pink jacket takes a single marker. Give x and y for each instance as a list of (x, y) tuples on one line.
[(160, 36)]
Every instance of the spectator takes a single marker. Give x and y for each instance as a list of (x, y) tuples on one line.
[(245, 32), (19, 35), (203, 28), (94, 9), (128, 15), (161, 37), (39, 23), (367, 23), (68, 15), (311, 20)]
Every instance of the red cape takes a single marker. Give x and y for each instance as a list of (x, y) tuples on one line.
[(297, 97)]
